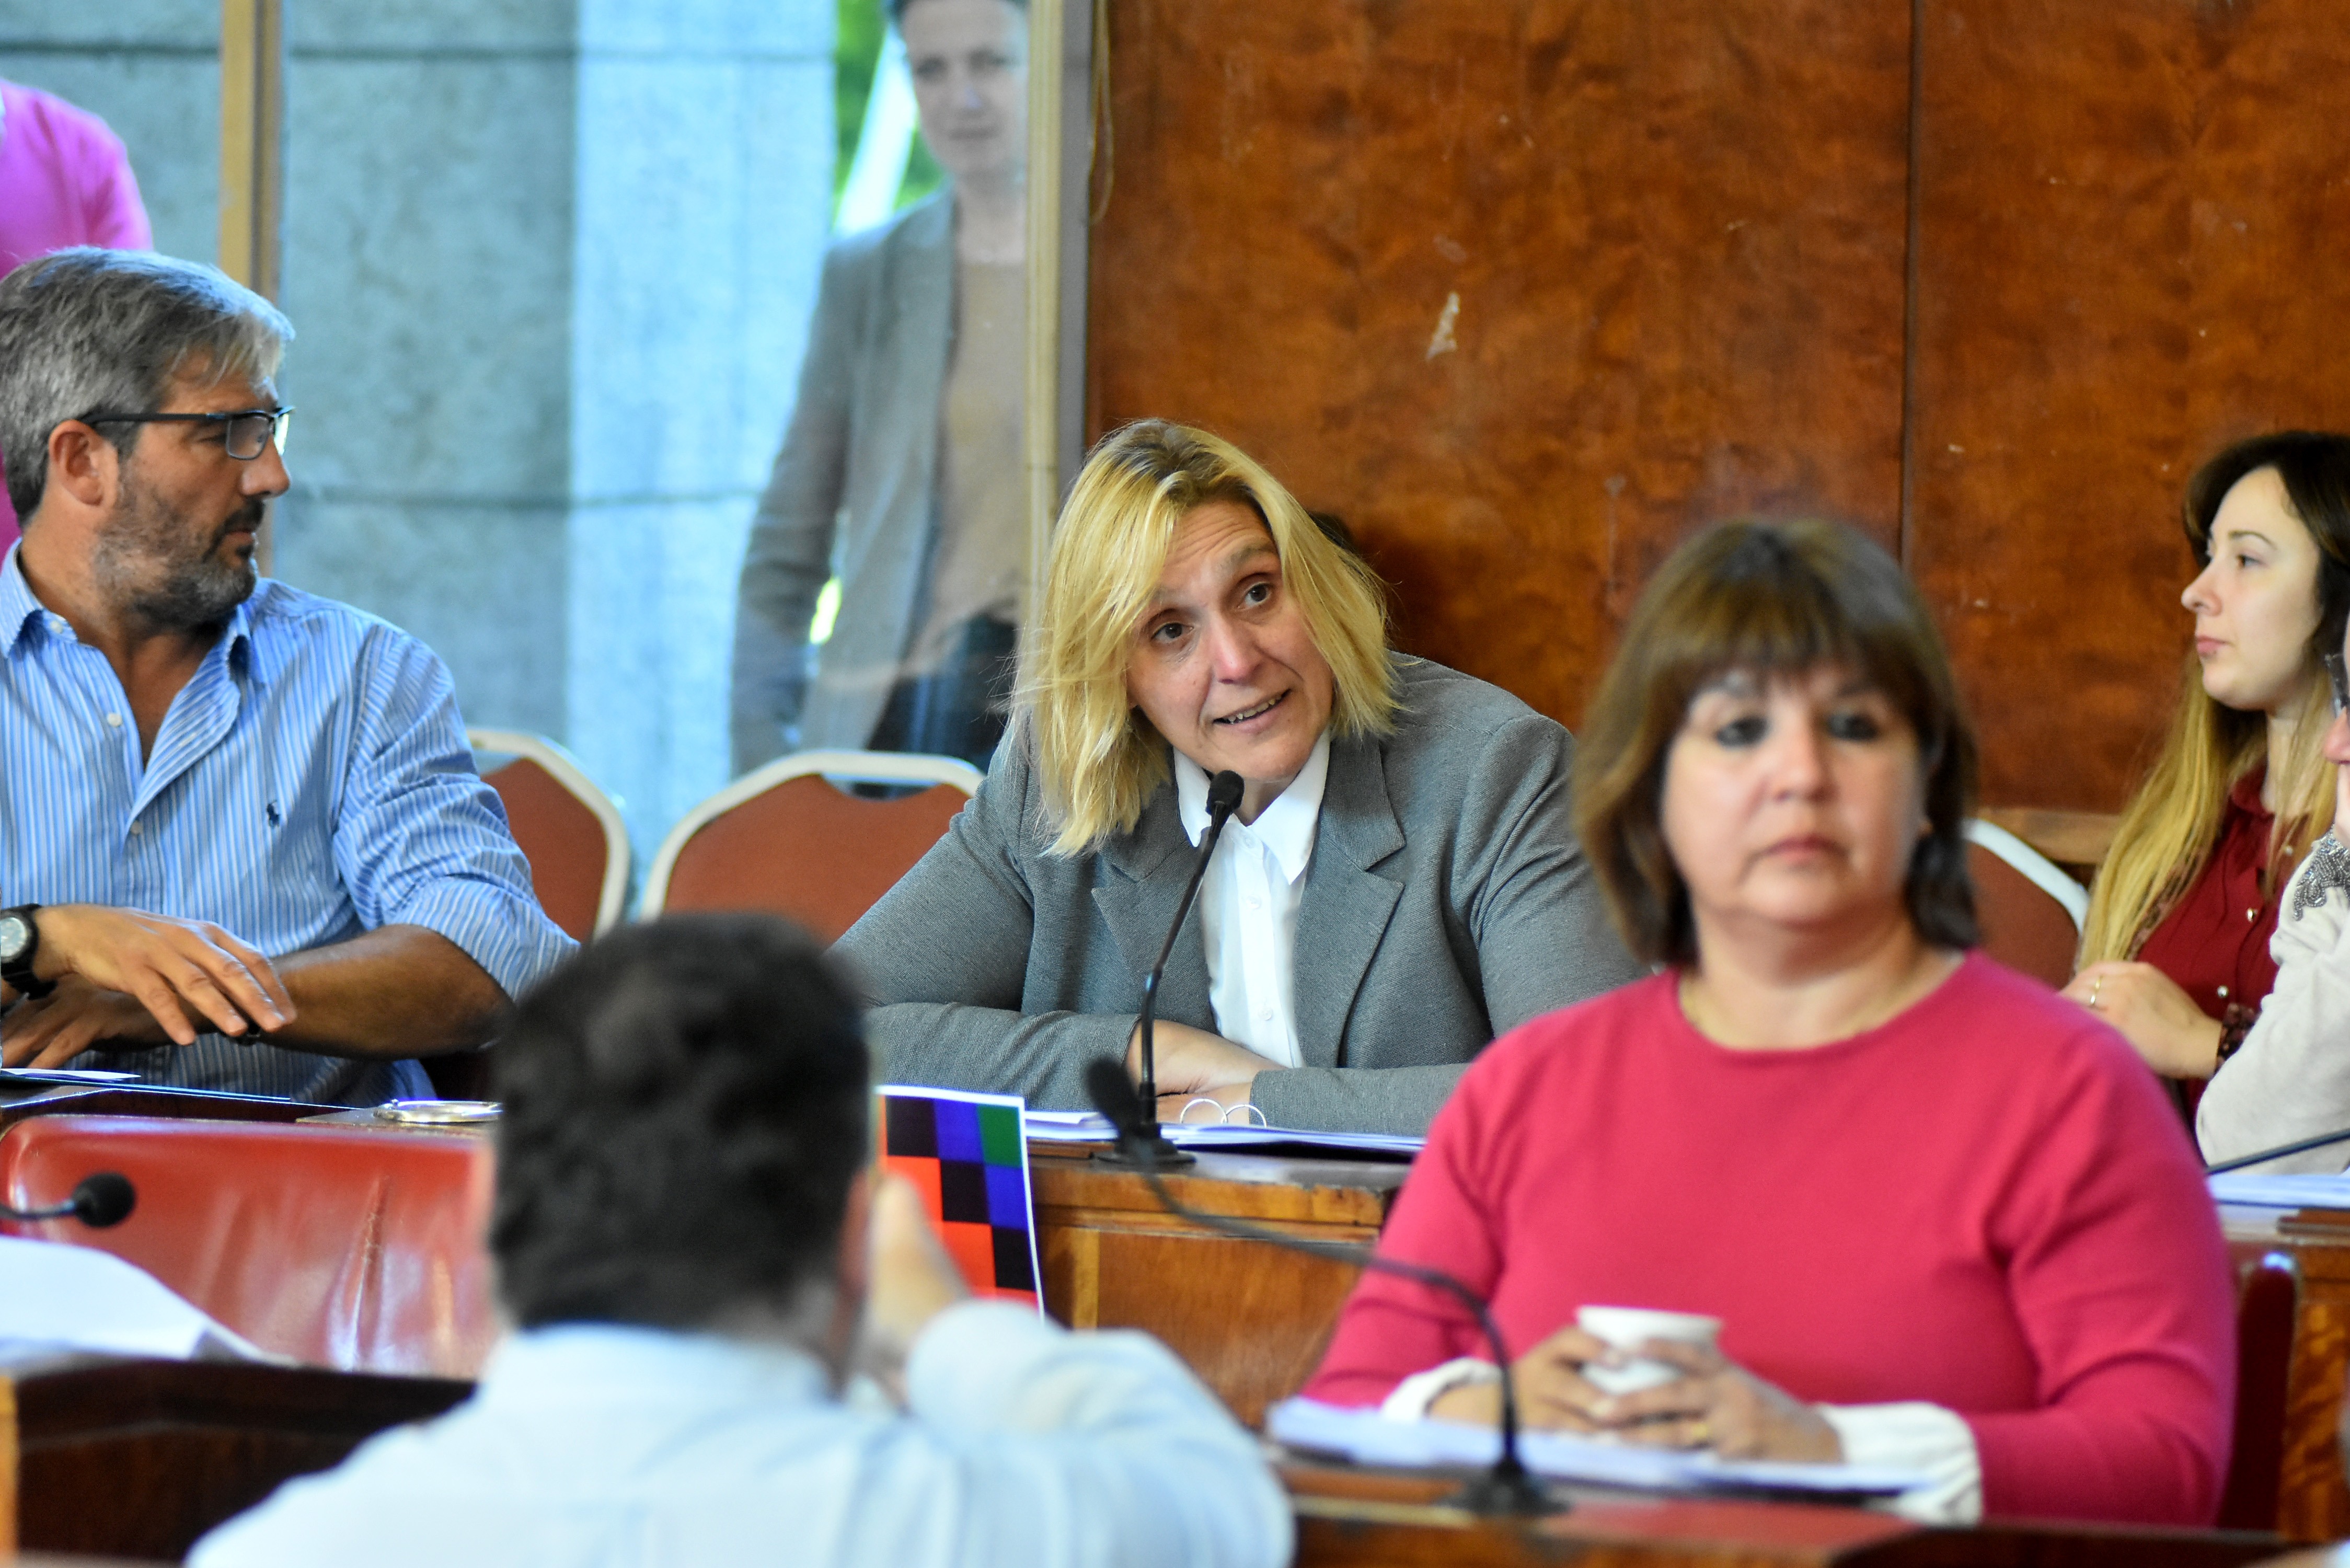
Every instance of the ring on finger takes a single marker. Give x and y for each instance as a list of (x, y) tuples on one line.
[(2095, 986), (1700, 1433)]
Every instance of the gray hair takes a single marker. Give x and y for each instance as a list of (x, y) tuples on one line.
[(86, 330)]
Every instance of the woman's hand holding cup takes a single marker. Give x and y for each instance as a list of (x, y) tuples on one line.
[(1653, 1377)]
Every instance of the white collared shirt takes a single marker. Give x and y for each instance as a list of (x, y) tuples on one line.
[(1248, 905)]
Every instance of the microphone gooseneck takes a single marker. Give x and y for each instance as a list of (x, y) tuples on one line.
[(2300, 1146), (99, 1201), (1507, 1489), (1224, 799)]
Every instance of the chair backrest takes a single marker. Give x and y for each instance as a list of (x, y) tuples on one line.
[(786, 840), (2031, 912), (569, 830), (2268, 1304), (339, 1246)]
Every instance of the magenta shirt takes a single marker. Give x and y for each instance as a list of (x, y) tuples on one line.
[(64, 181)]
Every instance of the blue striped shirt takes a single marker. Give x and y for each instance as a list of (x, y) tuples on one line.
[(310, 783)]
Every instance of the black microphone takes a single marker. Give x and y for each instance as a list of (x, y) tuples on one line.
[(1509, 1488), (1224, 799), (101, 1201), (2320, 1141)]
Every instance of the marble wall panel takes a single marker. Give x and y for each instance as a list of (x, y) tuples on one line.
[(116, 24), (482, 584), (1525, 292), (2128, 215), (440, 27)]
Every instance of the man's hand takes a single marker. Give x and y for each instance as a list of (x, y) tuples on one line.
[(913, 1282), (1195, 1064), (2153, 1015), (52, 1030), (187, 975)]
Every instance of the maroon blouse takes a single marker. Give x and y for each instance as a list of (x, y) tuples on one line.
[(2214, 942)]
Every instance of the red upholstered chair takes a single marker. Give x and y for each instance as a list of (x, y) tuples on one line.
[(784, 839), (2031, 912), (2268, 1304), (569, 830), (339, 1246)]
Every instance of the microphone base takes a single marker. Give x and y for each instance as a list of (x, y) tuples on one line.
[(1145, 1151), (1505, 1494)]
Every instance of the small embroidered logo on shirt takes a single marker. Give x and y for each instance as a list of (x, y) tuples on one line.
[(273, 818)]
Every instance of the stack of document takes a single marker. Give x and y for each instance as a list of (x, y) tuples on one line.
[(1369, 1437), (1092, 1127), (57, 1296)]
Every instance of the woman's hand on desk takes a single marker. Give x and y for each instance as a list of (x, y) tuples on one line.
[(1195, 1064), (1715, 1404), (2153, 1015)]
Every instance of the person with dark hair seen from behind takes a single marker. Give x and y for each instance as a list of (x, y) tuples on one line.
[(1944, 1218), (1398, 882), (689, 1235), (901, 468), (241, 842), (2175, 950)]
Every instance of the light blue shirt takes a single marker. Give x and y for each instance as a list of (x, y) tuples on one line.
[(1023, 1446), (310, 783)]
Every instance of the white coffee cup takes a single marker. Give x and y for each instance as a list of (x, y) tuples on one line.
[(1629, 1328)]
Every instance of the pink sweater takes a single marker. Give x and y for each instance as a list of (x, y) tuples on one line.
[(1985, 1204), (64, 181)]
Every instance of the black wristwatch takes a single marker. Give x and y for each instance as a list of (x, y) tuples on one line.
[(20, 939)]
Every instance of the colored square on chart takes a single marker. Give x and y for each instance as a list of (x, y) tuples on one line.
[(958, 1126), (909, 1127), (962, 1193), (966, 1158), (1000, 1139), (1012, 1271), (1007, 1195)]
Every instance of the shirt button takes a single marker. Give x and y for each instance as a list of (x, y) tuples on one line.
[(56, 623), (135, 827), (2223, 991), (114, 720), (1255, 903), (1264, 1015), (2251, 914)]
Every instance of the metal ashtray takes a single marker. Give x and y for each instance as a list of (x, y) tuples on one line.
[(437, 1113)]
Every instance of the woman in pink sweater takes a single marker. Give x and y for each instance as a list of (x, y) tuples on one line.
[(1948, 1220)]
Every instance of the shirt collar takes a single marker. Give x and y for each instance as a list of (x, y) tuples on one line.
[(19, 610), (1285, 827)]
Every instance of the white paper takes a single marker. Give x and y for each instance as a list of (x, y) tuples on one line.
[(63, 1075), (1369, 1437), (2255, 1190), (77, 1298), (1092, 1127)]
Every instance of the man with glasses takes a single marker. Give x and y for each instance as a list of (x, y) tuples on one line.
[(241, 842)]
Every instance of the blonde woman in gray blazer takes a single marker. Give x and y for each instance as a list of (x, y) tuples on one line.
[(1195, 620)]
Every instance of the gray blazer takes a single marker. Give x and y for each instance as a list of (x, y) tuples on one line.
[(1447, 901), (862, 450)]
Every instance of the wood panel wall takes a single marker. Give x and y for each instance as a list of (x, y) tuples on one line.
[(1527, 290)]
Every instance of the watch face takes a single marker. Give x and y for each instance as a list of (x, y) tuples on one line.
[(15, 931)]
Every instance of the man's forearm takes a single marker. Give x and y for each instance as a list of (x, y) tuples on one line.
[(397, 991)]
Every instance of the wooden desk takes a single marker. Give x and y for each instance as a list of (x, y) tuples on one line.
[(1357, 1518), (1250, 1320), (138, 1458), (2313, 1502)]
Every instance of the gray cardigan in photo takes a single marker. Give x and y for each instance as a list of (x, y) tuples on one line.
[(1447, 901)]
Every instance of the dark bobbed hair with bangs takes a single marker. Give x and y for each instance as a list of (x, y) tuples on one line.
[(1769, 599)]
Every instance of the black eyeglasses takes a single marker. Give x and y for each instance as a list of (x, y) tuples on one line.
[(2339, 677), (244, 432)]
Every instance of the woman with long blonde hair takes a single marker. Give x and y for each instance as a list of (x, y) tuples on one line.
[(2175, 951), (1401, 882)]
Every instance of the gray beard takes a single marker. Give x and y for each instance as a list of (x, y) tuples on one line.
[(144, 563)]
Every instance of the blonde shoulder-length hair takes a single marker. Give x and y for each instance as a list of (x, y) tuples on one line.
[(2166, 834), (1097, 760)]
